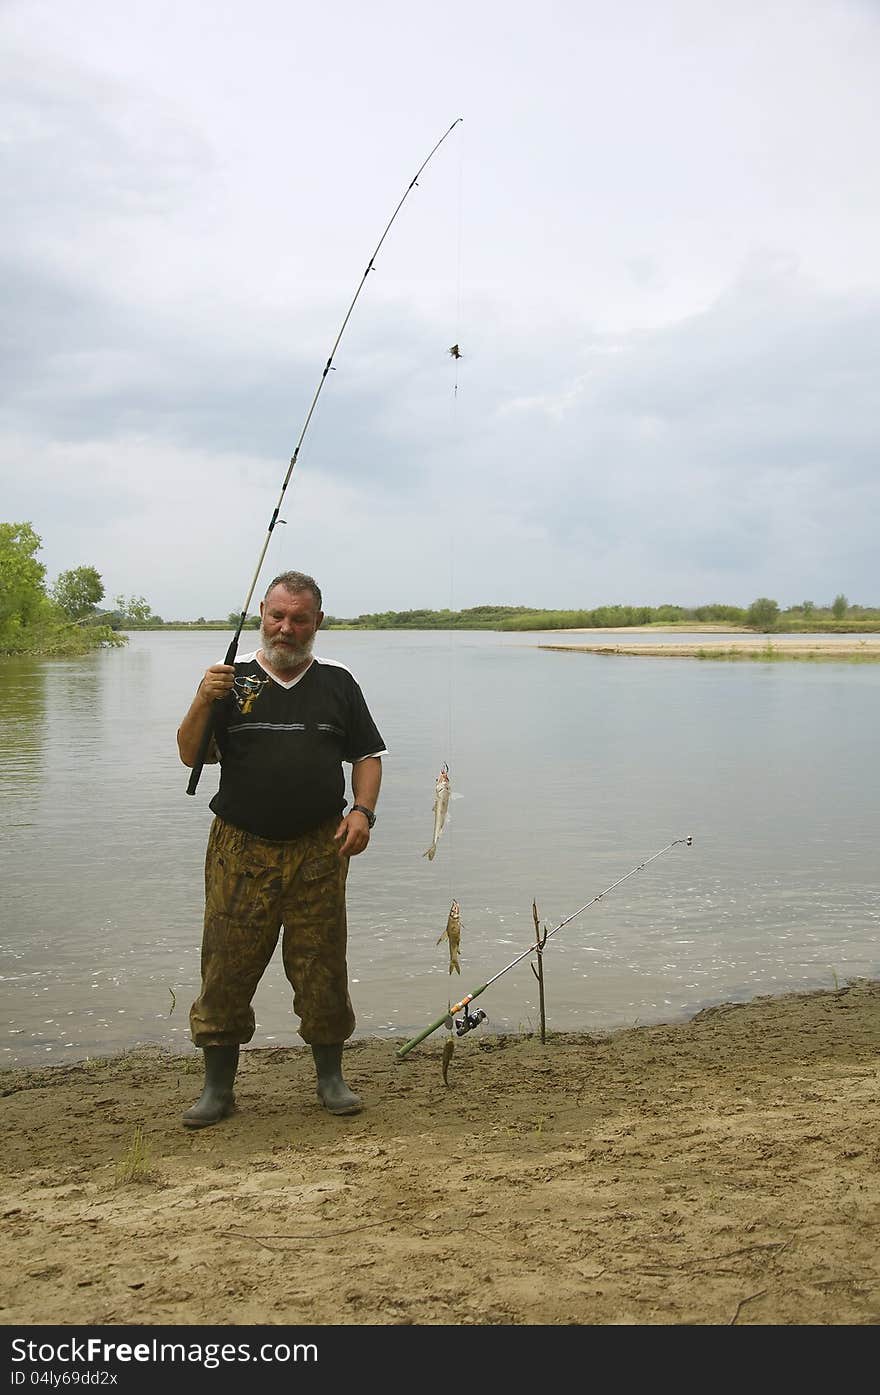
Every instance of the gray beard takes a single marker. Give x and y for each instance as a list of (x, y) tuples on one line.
[(285, 657)]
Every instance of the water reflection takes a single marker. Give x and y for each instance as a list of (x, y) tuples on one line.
[(22, 730)]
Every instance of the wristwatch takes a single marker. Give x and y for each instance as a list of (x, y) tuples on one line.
[(362, 809)]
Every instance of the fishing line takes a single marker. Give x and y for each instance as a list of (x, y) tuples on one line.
[(468, 1022), (456, 443), (233, 648), (458, 292)]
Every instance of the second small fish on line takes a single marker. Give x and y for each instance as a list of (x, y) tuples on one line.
[(441, 809)]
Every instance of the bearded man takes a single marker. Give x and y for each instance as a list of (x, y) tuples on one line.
[(278, 851)]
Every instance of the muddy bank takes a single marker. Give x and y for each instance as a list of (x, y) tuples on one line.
[(721, 1171)]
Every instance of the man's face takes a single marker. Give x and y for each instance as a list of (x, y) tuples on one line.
[(290, 620)]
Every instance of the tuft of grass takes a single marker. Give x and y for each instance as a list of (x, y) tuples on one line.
[(134, 1165)]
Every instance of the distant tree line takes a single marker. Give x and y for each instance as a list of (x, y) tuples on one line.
[(65, 618), (764, 615)]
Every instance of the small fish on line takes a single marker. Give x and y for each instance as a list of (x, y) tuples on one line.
[(455, 351), (448, 1048), (452, 933), (441, 808)]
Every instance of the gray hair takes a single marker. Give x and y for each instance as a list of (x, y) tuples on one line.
[(294, 582)]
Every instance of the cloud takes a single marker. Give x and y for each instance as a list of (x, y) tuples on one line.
[(658, 274), (726, 456)]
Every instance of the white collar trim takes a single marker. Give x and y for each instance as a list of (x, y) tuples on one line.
[(282, 683)]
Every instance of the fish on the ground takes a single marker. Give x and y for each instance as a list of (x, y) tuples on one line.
[(441, 807), (448, 1048), (452, 933)]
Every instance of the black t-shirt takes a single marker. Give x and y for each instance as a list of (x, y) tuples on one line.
[(282, 746)]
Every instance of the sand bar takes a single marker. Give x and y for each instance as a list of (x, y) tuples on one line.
[(729, 645)]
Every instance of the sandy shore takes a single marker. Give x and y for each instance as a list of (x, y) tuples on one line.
[(844, 648), (721, 1171)]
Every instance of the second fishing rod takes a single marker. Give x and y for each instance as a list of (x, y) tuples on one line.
[(469, 1020), (231, 652)]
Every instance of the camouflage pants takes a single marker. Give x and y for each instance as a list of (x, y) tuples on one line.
[(255, 888)]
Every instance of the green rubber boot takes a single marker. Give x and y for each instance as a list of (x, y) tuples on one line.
[(217, 1100), (333, 1092)]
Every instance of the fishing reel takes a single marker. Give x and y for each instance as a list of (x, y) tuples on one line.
[(468, 1021)]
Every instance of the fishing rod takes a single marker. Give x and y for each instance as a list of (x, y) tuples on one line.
[(470, 1020), (233, 648)]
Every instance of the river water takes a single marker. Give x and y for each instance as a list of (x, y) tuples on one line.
[(568, 771)]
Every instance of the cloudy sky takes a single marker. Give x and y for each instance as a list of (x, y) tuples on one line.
[(654, 235)]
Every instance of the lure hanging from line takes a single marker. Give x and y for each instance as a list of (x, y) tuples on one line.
[(231, 652), (455, 351), (470, 1020)]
